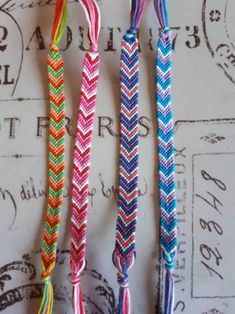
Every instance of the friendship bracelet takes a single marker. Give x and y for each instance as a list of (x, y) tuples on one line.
[(82, 154), (56, 156), (124, 253), (168, 223)]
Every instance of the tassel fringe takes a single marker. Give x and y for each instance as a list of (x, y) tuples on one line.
[(124, 304), (123, 265), (77, 299), (47, 299), (169, 292)]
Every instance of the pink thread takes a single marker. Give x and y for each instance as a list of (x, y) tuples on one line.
[(81, 167), (82, 154), (93, 18), (126, 305), (138, 7), (77, 300)]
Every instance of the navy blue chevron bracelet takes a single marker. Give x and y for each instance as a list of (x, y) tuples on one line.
[(168, 223), (124, 252)]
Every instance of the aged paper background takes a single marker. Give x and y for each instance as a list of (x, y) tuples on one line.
[(204, 111)]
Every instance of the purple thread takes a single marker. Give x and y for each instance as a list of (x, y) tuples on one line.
[(137, 10), (160, 8)]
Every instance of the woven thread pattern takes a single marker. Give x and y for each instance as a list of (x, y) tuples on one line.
[(56, 163), (124, 253), (128, 180), (82, 154), (56, 156), (168, 222), (166, 150), (81, 166)]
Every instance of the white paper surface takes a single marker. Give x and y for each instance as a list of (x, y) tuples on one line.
[(203, 99)]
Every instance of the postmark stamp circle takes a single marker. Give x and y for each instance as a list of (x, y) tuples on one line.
[(218, 28), (230, 21)]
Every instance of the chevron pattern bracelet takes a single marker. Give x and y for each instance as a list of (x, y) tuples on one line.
[(82, 154), (168, 225), (124, 253), (56, 157)]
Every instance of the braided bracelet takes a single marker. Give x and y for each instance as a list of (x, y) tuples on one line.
[(82, 154), (56, 156), (124, 253), (168, 224)]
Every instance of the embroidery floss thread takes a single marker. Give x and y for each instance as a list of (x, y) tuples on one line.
[(124, 252), (168, 223), (82, 154), (56, 156)]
